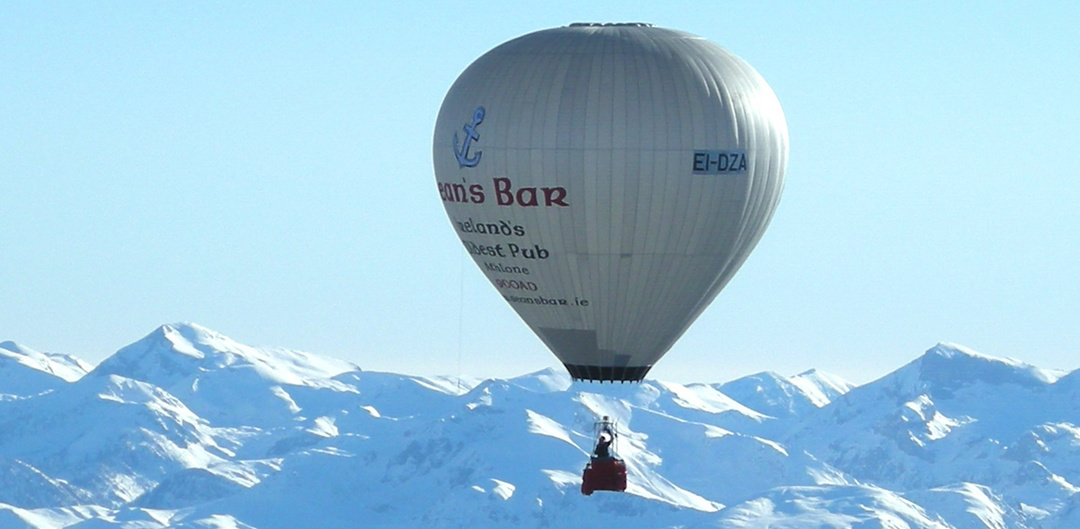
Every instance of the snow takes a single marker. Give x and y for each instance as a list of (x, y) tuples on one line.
[(15, 517), (821, 388), (181, 351), (502, 489), (846, 507), (64, 367), (706, 399), (966, 504), (448, 385), (563, 479), (949, 363), (25, 372), (324, 427), (187, 428), (539, 424)]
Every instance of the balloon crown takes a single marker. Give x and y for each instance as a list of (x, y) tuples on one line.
[(610, 24)]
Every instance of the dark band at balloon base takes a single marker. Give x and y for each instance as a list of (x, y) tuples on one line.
[(608, 373)]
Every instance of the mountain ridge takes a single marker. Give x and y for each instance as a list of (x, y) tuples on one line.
[(188, 428)]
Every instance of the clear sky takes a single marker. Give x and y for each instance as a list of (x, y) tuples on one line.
[(264, 169)]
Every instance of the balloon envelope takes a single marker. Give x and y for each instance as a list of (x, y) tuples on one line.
[(609, 180)]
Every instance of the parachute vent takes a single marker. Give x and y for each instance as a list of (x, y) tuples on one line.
[(608, 373)]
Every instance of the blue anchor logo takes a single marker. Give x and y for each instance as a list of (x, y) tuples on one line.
[(462, 153)]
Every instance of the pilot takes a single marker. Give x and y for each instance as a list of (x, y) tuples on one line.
[(603, 446)]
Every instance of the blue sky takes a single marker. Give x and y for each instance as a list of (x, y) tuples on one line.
[(264, 169)]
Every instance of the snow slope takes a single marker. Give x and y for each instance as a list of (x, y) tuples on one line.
[(188, 428), (25, 372)]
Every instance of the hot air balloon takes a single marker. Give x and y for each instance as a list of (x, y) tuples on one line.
[(609, 180)]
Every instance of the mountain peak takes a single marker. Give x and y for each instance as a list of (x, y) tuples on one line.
[(546, 380), (950, 365), (11, 346), (955, 350), (193, 340), (178, 351), (821, 387), (777, 395), (65, 367)]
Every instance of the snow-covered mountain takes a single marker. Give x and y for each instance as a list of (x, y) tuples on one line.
[(25, 372), (188, 428)]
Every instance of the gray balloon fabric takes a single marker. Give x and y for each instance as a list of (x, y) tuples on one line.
[(609, 180)]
